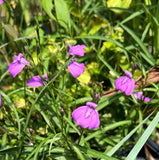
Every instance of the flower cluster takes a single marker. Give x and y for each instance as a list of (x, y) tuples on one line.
[(139, 96), (17, 66), (127, 84), (76, 69), (85, 116)]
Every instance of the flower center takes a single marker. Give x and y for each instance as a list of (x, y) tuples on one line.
[(125, 80), (88, 112)]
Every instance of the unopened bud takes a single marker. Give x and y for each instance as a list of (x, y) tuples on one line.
[(30, 130), (62, 111)]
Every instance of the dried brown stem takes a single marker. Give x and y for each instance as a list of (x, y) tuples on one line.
[(5, 56)]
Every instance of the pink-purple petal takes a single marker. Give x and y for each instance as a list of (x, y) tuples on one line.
[(138, 95), (76, 50), (119, 81), (127, 73), (1, 1), (17, 65), (35, 81), (125, 83), (24, 61), (45, 76), (76, 69), (87, 116), (94, 121), (91, 104), (147, 99), (15, 68), (130, 87), (79, 116)]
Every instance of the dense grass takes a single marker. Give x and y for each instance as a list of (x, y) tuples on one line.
[(117, 37)]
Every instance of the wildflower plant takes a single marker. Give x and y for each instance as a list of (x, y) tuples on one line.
[(125, 83), (17, 65), (36, 81), (75, 68), (87, 116), (84, 107)]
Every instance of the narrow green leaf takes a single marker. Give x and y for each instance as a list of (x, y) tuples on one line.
[(48, 6), (78, 152), (96, 154), (107, 65), (72, 125), (80, 101), (9, 102), (137, 13), (101, 38), (147, 56), (10, 30), (37, 149), (43, 91), (134, 152), (107, 128), (3, 75), (117, 146), (145, 31), (9, 150), (62, 13)]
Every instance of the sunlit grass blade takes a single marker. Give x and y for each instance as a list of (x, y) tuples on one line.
[(137, 13), (72, 125), (43, 91), (107, 128), (78, 152), (117, 146), (107, 65), (3, 75), (36, 150), (147, 56), (95, 154), (10, 103), (140, 143)]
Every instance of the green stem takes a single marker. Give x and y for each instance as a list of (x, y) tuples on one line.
[(156, 32)]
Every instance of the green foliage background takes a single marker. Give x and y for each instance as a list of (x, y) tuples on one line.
[(118, 34)]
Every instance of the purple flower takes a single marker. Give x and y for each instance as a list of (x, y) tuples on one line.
[(76, 50), (17, 65), (30, 130), (75, 68), (139, 96), (1, 1), (30, 144), (36, 81), (125, 83), (87, 116)]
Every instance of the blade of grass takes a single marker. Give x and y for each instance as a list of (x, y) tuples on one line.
[(43, 91), (107, 65), (9, 102), (107, 128), (37, 99), (147, 56), (138, 13), (78, 152), (117, 146), (140, 143)]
